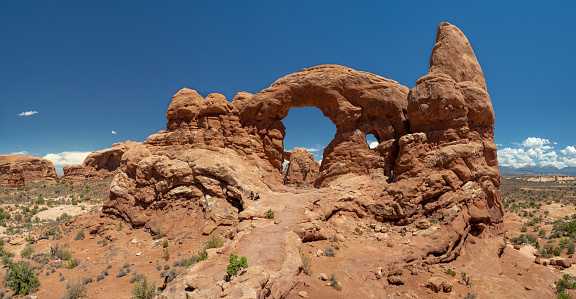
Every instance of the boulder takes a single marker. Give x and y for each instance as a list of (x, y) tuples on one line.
[(302, 168)]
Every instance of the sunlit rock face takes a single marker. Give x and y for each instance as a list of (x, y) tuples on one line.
[(436, 156)]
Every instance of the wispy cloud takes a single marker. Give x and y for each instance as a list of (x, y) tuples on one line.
[(23, 153), (27, 113), (314, 149), (114, 132)]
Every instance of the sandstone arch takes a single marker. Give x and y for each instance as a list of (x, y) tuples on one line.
[(357, 103)]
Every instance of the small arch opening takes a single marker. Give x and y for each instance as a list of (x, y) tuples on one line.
[(371, 140), (307, 127)]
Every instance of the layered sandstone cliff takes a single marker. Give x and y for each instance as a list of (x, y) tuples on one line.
[(16, 170)]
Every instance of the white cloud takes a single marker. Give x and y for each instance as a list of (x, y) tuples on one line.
[(27, 113), (373, 144), (535, 142), (23, 153), (512, 157), (67, 158), (314, 149), (569, 151), (535, 151), (114, 132)]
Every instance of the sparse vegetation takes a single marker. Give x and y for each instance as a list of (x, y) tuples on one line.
[(235, 266), (269, 214), (75, 289), (143, 289), (335, 283)]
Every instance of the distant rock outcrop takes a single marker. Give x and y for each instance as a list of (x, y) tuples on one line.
[(302, 168), (435, 164), (16, 170), (98, 164)]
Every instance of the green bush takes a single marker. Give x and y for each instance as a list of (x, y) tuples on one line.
[(566, 282), (214, 241), (166, 254), (269, 214), (72, 263), (524, 239), (21, 279), (143, 289), (235, 266), (557, 251), (165, 243), (524, 229), (335, 283), (27, 251), (451, 272)]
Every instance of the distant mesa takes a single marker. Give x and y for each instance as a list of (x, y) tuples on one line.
[(98, 164), (17, 171)]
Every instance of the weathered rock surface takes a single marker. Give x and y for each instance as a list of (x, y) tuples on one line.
[(435, 164), (98, 164), (16, 170), (302, 168)]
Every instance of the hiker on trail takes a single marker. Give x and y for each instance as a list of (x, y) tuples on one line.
[(257, 197), (251, 195)]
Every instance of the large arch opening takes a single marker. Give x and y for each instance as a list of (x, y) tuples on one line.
[(307, 127)]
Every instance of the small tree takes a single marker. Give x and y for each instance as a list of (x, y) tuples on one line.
[(235, 266), (21, 279)]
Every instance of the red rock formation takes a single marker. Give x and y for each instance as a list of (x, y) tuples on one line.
[(358, 103), (99, 164), (436, 159), (16, 171), (302, 168)]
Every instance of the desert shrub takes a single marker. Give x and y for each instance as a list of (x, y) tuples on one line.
[(307, 261), (557, 251), (75, 289), (165, 243), (169, 275), (27, 251), (79, 235), (451, 272), (121, 273), (329, 251), (215, 241), (235, 266), (166, 254), (524, 229), (158, 267), (143, 289), (126, 265), (87, 280), (100, 276), (119, 226), (72, 263), (269, 214), (136, 277), (524, 239), (335, 283), (21, 279), (166, 267)]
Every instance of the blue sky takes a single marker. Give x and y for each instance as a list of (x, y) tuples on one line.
[(90, 68)]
